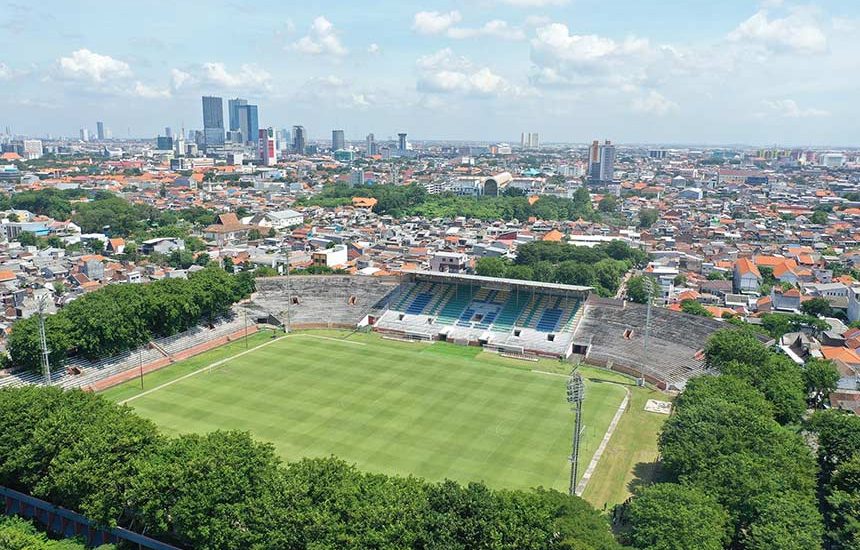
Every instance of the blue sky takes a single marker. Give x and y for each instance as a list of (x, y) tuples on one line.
[(667, 71)]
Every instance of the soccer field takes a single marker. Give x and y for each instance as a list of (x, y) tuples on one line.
[(433, 410)]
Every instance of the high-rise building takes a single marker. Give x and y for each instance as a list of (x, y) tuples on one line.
[(233, 108), (266, 146), (85, 134), (601, 161), (607, 161), (164, 143), (168, 131), (401, 141), (100, 130), (371, 145), (529, 140), (33, 149), (299, 140), (337, 140), (285, 139), (249, 122), (213, 121)]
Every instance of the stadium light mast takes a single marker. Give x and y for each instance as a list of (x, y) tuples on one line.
[(649, 291), (43, 340), (575, 396)]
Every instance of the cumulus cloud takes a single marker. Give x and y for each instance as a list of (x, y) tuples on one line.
[(788, 108), (445, 73), (322, 39), (179, 78), (248, 76), (495, 28), (654, 103), (147, 91), (797, 32), (565, 59), (84, 64), (373, 49), (434, 22)]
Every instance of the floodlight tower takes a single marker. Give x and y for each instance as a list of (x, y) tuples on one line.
[(650, 291), (575, 396), (43, 340)]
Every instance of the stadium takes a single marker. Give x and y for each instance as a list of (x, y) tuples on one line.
[(439, 375)]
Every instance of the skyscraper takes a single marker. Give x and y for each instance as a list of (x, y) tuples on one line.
[(371, 145), (233, 108), (601, 161), (337, 140), (285, 139), (168, 131), (213, 121), (100, 130), (529, 140), (401, 141), (607, 161), (85, 134), (299, 140), (266, 146), (249, 122)]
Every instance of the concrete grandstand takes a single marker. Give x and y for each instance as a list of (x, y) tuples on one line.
[(510, 316)]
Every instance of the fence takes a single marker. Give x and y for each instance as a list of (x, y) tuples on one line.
[(66, 523)]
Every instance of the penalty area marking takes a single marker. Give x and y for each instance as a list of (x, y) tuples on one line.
[(330, 338)]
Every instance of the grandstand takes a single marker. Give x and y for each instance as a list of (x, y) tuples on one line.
[(506, 315), (82, 373), (612, 334)]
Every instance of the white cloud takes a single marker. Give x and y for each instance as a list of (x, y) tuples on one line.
[(150, 92), (445, 73), (537, 20), (86, 65), (654, 103), (434, 22), (495, 28), (322, 39), (373, 49), (788, 108), (565, 59), (179, 78), (248, 76), (798, 32)]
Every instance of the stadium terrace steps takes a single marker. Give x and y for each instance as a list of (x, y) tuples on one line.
[(455, 307), (509, 314)]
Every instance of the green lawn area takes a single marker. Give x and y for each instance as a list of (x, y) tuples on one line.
[(432, 410)]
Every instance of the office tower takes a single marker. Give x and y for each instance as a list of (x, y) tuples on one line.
[(529, 140), (100, 130), (266, 146), (213, 121), (299, 140), (594, 161), (607, 161), (164, 143), (401, 141), (337, 140), (168, 131), (285, 139), (371, 145), (249, 122), (233, 108), (33, 148), (85, 134)]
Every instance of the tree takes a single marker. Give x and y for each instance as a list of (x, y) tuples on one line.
[(647, 217), (693, 307), (680, 280), (668, 516), (821, 379), (786, 521), (818, 307), (732, 345), (819, 217), (609, 203), (491, 267), (637, 289), (27, 238), (254, 235)]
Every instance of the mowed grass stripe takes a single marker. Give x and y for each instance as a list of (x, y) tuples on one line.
[(391, 407)]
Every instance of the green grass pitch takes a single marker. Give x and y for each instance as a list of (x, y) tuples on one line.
[(433, 410)]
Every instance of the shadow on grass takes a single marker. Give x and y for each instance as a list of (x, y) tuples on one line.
[(608, 381), (645, 474)]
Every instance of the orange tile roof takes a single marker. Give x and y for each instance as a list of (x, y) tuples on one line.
[(835, 353), (554, 236), (744, 266)]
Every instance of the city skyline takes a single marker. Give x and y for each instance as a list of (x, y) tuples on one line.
[(771, 72)]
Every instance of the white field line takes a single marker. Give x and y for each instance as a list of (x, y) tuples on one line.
[(550, 373), (222, 361), (198, 371), (583, 482)]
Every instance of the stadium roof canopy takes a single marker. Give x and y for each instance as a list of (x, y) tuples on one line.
[(489, 281)]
